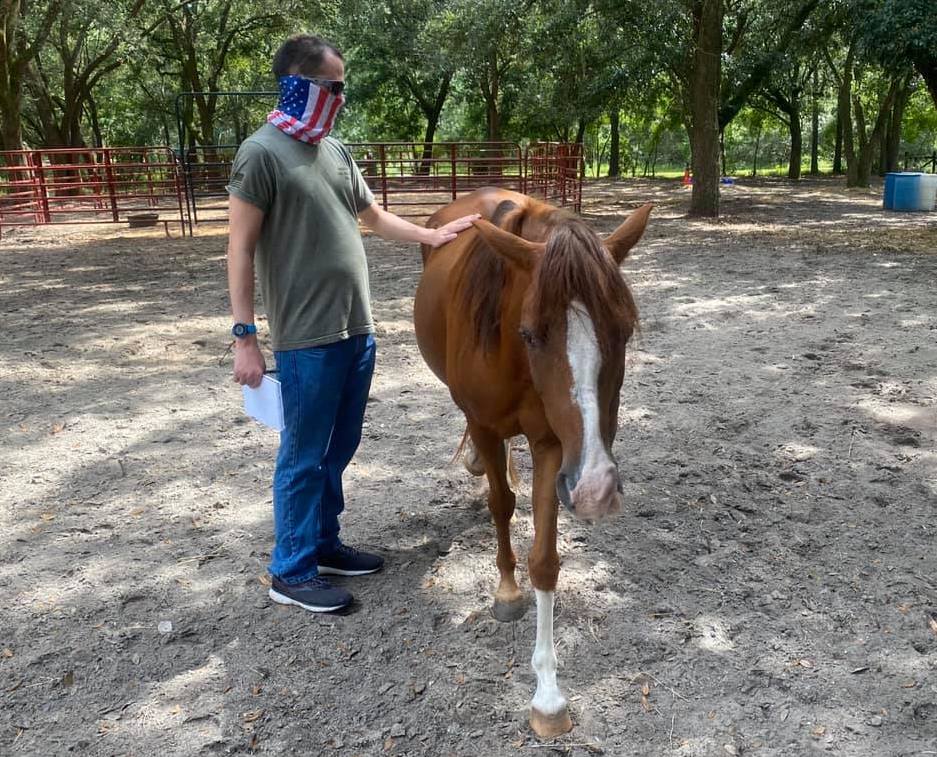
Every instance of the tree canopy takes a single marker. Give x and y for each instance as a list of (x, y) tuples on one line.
[(717, 85)]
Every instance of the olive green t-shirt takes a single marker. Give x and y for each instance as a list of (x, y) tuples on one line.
[(310, 260)]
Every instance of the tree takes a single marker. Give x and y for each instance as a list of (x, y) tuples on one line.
[(703, 85), (405, 43), (488, 37), (24, 28), (195, 42), (901, 33), (786, 93), (83, 48)]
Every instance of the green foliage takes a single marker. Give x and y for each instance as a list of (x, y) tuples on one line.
[(466, 69)]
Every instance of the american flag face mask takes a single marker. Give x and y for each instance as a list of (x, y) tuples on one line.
[(306, 111)]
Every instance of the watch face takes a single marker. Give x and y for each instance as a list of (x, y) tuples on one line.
[(239, 329)]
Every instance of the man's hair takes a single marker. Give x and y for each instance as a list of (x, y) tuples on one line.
[(303, 53)]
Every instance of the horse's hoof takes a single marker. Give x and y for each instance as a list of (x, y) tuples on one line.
[(550, 726), (508, 611)]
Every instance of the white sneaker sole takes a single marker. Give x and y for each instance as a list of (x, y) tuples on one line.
[(282, 599), (326, 571)]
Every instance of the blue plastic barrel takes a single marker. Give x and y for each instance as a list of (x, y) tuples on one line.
[(888, 196), (907, 191)]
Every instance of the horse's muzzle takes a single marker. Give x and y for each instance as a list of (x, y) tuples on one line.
[(592, 495)]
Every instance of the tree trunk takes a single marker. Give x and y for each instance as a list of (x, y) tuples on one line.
[(11, 133), (432, 112), (926, 66), (97, 135), (581, 131), (491, 86), (704, 106), (891, 140), (797, 144), (755, 156), (868, 142), (614, 157), (844, 101), (722, 151), (838, 145), (426, 159), (815, 129)]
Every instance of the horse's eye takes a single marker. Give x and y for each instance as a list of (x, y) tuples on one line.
[(528, 336)]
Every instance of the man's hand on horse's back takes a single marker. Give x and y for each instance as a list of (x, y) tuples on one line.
[(451, 230), (249, 365)]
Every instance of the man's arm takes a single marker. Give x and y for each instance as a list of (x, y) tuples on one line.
[(244, 225), (395, 228)]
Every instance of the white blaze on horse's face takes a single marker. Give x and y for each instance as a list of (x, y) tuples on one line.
[(589, 486)]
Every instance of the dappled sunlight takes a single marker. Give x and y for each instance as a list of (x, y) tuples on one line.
[(169, 704), (718, 305), (768, 581), (901, 414)]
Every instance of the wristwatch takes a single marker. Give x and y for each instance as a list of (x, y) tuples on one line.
[(241, 330)]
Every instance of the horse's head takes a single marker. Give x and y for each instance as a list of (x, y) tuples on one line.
[(577, 316)]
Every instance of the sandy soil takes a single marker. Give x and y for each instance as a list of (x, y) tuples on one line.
[(769, 590)]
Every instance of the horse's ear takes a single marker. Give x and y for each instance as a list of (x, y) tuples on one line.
[(518, 250), (626, 236)]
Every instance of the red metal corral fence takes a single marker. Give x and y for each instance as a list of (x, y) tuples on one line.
[(554, 173), (412, 179), (136, 185), (146, 185)]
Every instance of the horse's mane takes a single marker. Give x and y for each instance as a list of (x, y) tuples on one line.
[(574, 268)]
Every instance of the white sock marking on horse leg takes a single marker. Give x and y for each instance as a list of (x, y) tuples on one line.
[(548, 698), (585, 361)]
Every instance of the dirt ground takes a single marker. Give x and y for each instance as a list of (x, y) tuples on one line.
[(770, 589)]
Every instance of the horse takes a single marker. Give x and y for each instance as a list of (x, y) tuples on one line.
[(525, 318)]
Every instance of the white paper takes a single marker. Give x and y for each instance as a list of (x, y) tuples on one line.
[(265, 403)]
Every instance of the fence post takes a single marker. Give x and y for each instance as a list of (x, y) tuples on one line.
[(36, 160), (383, 153), (523, 167), (562, 155), (174, 166), (452, 168), (111, 190)]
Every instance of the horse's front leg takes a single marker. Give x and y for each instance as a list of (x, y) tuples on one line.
[(549, 716), (509, 603)]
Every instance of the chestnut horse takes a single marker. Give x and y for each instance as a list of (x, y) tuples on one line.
[(525, 318)]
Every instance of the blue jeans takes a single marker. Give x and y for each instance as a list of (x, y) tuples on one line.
[(325, 391)]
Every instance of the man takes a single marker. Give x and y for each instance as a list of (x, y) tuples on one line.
[(295, 197)]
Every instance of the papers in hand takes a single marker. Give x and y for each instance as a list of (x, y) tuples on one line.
[(265, 403)]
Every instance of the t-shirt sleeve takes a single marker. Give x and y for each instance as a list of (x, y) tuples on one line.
[(252, 176), (360, 192)]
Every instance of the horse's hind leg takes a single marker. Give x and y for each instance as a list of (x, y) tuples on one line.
[(509, 603), (476, 466)]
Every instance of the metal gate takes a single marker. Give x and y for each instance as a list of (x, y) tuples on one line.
[(91, 185), (410, 179)]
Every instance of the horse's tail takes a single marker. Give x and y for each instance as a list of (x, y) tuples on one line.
[(460, 452), (474, 464)]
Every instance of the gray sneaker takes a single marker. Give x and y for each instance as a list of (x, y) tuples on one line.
[(315, 595), (348, 561)]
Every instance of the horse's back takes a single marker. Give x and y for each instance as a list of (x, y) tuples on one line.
[(483, 201)]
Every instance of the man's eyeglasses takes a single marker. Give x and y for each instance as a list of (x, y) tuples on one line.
[(335, 87)]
